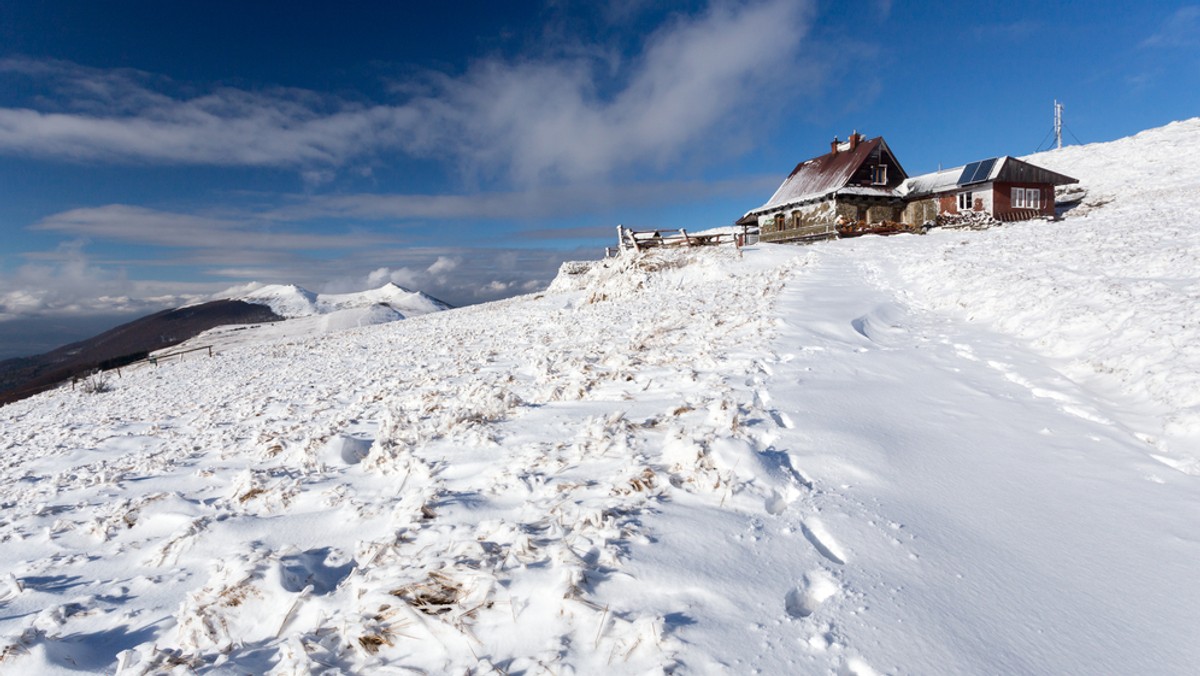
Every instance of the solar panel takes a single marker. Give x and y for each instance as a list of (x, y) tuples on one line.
[(967, 172), (985, 168), (976, 171)]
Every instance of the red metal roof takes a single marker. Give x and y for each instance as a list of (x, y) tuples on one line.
[(821, 175)]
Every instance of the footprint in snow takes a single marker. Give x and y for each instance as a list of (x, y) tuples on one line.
[(323, 569), (816, 588), (782, 419)]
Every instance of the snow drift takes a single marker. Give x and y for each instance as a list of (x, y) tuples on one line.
[(969, 452)]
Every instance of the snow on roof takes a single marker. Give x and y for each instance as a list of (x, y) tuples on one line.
[(980, 171), (821, 176), (973, 173), (868, 190), (927, 184)]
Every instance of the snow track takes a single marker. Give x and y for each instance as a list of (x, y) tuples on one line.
[(989, 518)]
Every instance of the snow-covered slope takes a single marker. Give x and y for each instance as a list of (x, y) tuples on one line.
[(969, 452), (310, 314), (1152, 165), (289, 300), (1111, 293)]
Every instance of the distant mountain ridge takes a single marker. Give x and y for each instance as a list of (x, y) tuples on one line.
[(278, 309), (26, 376), (289, 300)]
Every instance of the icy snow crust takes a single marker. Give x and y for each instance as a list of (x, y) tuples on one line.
[(970, 452)]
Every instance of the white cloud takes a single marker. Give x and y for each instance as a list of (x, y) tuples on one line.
[(118, 116), (66, 282), (1180, 30), (443, 265), (406, 277), (531, 120), (139, 225), (546, 120), (531, 203)]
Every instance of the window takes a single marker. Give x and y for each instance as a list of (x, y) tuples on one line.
[(778, 222), (1033, 198), (879, 175), (965, 203), (1018, 198)]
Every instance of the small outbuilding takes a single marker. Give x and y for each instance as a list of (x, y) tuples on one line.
[(1004, 188)]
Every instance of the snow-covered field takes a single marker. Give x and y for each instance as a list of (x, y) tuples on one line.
[(969, 452)]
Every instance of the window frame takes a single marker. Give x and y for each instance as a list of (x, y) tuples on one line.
[(1033, 198), (967, 198), (1018, 198), (879, 174)]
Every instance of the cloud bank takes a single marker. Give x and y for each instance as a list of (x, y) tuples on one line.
[(566, 117)]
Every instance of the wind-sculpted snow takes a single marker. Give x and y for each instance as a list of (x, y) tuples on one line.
[(443, 493), (947, 454)]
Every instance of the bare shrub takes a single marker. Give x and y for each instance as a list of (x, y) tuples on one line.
[(94, 382)]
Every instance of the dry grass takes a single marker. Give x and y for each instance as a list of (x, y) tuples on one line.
[(373, 642), (234, 596), (251, 494), (645, 481), (436, 596)]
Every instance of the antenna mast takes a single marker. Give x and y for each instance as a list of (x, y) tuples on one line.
[(1058, 108)]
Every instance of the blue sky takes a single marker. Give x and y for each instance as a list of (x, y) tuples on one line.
[(157, 152)]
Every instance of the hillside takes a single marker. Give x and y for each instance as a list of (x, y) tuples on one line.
[(967, 452), (25, 376), (270, 312)]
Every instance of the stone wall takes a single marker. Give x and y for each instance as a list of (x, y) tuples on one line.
[(812, 221), (921, 211)]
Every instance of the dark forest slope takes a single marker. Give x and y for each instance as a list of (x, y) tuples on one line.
[(26, 376)]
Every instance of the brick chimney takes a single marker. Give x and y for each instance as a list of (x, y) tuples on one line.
[(855, 137), (833, 146)]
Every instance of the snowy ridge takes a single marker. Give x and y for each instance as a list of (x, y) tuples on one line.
[(1153, 165), (968, 452), (289, 300), (311, 314)]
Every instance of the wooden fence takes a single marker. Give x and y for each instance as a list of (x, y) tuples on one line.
[(641, 240)]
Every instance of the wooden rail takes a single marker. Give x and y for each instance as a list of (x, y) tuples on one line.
[(154, 359), (801, 234), (1020, 215), (83, 374), (639, 240)]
